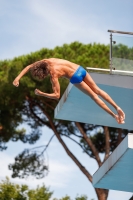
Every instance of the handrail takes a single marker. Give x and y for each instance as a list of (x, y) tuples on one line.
[(121, 32), (110, 56), (114, 71)]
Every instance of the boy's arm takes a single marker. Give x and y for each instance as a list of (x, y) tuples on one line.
[(56, 90), (22, 73)]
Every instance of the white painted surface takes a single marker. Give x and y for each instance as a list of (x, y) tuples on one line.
[(116, 173)]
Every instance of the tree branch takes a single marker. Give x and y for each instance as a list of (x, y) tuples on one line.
[(107, 142), (81, 167), (34, 114), (76, 143), (119, 135), (46, 146), (48, 143), (89, 142), (44, 102)]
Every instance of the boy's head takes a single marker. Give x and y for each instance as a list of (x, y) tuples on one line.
[(39, 69)]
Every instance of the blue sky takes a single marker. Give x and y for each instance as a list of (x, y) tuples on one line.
[(28, 26)]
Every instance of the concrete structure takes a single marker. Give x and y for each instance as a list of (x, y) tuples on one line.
[(76, 106), (116, 173)]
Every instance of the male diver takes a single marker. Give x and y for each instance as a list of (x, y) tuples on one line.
[(77, 75)]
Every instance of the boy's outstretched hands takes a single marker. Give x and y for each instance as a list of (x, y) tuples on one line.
[(16, 82), (121, 113), (119, 119)]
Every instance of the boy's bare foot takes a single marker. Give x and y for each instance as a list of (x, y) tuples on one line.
[(119, 120), (120, 113)]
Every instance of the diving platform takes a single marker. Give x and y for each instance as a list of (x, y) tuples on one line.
[(76, 106), (116, 173)]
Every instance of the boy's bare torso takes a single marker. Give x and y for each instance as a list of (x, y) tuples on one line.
[(61, 68)]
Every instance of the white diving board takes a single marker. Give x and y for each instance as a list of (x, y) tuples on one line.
[(76, 106), (116, 173)]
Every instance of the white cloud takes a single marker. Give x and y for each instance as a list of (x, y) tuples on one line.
[(59, 175), (4, 161)]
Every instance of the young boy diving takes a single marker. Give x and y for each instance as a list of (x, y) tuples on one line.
[(77, 75)]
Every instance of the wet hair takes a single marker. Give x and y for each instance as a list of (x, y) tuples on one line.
[(39, 69)]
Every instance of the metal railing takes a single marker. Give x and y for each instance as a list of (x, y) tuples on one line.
[(120, 32), (119, 60), (114, 71)]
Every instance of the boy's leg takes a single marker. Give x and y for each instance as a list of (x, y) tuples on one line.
[(87, 90), (90, 82)]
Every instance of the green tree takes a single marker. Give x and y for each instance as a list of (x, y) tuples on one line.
[(18, 105), (11, 191), (82, 197), (66, 198)]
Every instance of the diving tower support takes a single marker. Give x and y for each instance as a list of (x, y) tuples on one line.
[(116, 173)]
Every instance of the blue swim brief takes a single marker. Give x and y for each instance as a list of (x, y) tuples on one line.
[(78, 76)]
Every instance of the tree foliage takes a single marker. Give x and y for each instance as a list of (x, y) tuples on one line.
[(12, 191)]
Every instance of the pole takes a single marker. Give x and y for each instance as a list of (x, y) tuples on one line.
[(110, 56)]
